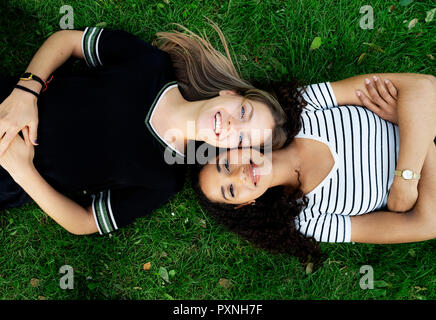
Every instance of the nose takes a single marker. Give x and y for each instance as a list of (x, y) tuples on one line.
[(240, 175)]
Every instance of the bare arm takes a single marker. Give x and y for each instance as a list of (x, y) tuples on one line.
[(19, 109), (418, 224), (67, 213), (415, 115), (18, 161)]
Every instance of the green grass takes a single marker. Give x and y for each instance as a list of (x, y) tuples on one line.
[(269, 39)]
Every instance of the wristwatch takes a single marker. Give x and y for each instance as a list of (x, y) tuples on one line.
[(407, 174)]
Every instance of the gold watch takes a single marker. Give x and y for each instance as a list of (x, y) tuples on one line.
[(407, 174)]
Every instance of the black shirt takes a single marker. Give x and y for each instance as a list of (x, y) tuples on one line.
[(93, 134)]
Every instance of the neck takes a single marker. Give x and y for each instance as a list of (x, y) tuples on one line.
[(181, 113), (287, 162)]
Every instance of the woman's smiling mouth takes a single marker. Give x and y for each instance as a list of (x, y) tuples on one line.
[(217, 124), (254, 173)]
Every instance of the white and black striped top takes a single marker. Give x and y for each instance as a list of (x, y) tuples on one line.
[(365, 149)]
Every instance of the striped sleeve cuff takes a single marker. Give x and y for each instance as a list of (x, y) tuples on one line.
[(103, 215), (326, 227), (319, 96), (90, 46)]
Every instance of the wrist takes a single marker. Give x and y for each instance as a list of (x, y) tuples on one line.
[(27, 95), (32, 85), (404, 184), (24, 174)]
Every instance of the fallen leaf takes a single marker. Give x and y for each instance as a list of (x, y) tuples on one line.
[(391, 8), (309, 268), (361, 58), (405, 2), (374, 46), (430, 15), (164, 274), (146, 266), (412, 23), (34, 282), (42, 298), (166, 1), (225, 283), (316, 43), (430, 56), (137, 288)]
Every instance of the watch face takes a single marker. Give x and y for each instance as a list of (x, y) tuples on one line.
[(407, 174)]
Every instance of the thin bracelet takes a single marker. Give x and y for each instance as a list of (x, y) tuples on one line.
[(27, 90), (30, 76)]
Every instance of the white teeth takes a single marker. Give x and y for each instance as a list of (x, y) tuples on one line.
[(218, 123)]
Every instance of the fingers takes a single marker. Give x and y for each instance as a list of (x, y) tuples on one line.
[(373, 93), (383, 91), (367, 102), (33, 133), (392, 90), (26, 135)]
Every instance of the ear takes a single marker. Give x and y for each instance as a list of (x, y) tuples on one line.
[(252, 202), (228, 92)]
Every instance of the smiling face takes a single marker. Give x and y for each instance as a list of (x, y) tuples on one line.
[(230, 121), (238, 176)]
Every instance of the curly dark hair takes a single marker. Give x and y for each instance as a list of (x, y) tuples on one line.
[(269, 223)]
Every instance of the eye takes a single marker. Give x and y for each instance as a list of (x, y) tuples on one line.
[(231, 190), (242, 112)]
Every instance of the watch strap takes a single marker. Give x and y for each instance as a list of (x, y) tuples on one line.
[(399, 173)]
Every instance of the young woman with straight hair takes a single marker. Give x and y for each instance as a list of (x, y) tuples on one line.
[(108, 130)]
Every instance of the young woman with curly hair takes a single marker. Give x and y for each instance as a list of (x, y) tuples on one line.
[(340, 166), (109, 130)]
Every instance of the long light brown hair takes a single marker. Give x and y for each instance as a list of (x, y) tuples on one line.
[(202, 71)]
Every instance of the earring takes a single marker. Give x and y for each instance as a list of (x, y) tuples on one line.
[(252, 202)]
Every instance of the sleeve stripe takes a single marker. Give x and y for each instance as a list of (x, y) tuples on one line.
[(95, 215), (96, 47), (90, 41), (91, 45), (324, 227), (110, 210), (103, 214), (83, 45)]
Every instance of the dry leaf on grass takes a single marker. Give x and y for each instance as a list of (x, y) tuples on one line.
[(225, 283), (146, 266), (309, 268), (34, 282), (412, 23)]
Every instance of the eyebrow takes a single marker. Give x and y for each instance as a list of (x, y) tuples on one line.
[(252, 110)]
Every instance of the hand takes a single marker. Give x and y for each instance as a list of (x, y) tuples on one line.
[(382, 98), (18, 159), (16, 112), (402, 195)]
